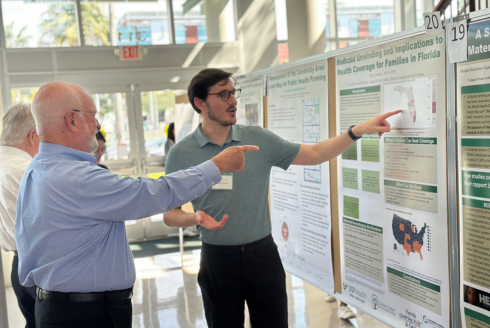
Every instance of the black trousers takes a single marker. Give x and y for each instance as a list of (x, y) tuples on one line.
[(52, 314), (25, 295), (232, 275)]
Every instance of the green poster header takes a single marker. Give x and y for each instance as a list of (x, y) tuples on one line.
[(415, 141), (476, 203), (363, 225), (479, 41), (475, 142), (469, 89), (412, 186), (350, 92), (415, 280), (476, 184), (477, 315)]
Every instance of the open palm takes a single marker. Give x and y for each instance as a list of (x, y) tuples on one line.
[(209, 222)]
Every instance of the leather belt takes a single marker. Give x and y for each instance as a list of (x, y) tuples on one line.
[(112, 296)]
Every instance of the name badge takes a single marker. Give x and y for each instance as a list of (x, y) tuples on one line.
[(225, 184)]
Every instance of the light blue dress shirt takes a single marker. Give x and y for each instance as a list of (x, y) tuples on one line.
[(70, 230)]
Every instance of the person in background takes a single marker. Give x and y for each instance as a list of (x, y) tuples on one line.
[(170, 138), (345, 311), (19, 143), (100, 148)]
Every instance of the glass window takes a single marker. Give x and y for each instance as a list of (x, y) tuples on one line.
[(112, 114), (361, 19), (281, 20), (25, 95), (158, 112), (191, 25), (30, 24), (125, 23)]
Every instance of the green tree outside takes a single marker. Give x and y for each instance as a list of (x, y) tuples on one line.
[(59, 22)]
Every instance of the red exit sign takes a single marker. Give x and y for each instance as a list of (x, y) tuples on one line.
[(130, 53)]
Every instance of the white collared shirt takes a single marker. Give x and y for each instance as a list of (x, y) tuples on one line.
[(13, 163)]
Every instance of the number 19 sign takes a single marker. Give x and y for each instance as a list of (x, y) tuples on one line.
[(457, 39)]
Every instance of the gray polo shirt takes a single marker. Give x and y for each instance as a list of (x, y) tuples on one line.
[(247, 204)]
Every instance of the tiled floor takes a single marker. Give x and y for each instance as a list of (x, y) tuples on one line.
[(167, 296)]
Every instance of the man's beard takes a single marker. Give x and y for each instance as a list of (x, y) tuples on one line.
[(215, 118), (94, 145)]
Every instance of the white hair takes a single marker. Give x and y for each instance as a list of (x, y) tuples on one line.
[(53, 101), (17, 123)]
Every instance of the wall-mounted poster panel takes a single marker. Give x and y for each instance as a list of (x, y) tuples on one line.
[(250, 106), (186, 120), (392, 189), (300, 197), (473, 105)]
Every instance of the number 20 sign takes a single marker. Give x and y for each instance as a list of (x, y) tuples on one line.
[(432, 22)]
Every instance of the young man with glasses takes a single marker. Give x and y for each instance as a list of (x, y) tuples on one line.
[(240, 262)]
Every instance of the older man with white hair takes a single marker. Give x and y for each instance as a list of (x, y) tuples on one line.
[(70, 214), (19, 143)]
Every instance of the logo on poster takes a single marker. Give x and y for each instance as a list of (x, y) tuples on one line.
[(285, 231), (375, 301), (432, 323)]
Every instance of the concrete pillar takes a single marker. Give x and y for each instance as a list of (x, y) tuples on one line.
[(216, 20), (256, 31), (405, 15), (307, 22)]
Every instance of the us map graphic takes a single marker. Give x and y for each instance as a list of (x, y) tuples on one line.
[(411, 101), (417, 100), (311, 135), (408, 236)]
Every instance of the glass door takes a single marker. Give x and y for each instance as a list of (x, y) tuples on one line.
[(156, 112), (117, 117)]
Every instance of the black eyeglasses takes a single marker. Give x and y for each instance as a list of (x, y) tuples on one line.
[(225, 95), (82, 111)]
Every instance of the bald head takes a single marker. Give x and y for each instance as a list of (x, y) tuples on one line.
[(51, 103), (65, 115)]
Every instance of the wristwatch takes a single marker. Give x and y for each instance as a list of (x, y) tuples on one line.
[(351, 134)]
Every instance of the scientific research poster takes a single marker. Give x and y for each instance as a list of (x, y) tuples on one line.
[(473, 99), (297, 110), (186, 120), (250, 106), (392, 189)]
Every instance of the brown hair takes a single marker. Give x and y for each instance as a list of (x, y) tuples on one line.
[(203, 81)]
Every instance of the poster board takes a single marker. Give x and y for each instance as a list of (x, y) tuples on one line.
[(250, 105), (473, 142), (392, 190), (186, 118), (300, 202)]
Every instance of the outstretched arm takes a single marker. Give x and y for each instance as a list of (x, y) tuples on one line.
[(333, 147), (181, 219)]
